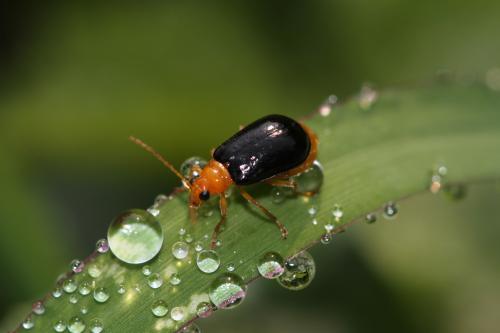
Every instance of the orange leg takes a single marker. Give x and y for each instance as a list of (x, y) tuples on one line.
[(249, 198), (223, 214)]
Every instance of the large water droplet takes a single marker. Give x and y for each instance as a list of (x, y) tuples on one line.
[(77, 265), (204, 310), (38, 308), (28, 323), (227, 291), (155, 281), (390, 210), (208, 261), (96, 326), (69, 286), (180, 250), (310, 181), (192, 328), (85, 288), (102, 246), (159, 308), (60, 326), (101, 295), (76, 325), (135, 236), (299, 272), (177, 313), (187, 167), (271, 265)]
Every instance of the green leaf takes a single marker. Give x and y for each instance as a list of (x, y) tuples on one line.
[(370, 157)]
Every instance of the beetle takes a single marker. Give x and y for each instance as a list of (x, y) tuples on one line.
[(271, 150)]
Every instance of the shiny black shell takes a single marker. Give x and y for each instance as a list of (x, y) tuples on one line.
[(263, 149)]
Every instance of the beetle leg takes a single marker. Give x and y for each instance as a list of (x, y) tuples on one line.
[(249, 198), (290, 183), (193, 214), (223, 214)]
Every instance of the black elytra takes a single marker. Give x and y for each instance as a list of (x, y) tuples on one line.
[(267, 147)]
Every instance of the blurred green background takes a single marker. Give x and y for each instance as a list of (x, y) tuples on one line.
[(78, 78)]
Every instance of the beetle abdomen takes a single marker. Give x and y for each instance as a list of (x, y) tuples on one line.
[(265, 148)]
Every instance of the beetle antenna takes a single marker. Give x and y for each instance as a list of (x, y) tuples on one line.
[(160, 158)]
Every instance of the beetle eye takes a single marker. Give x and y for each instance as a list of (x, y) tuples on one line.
[(204, 195)]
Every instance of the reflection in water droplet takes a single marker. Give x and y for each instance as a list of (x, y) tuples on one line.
[(390, 210), (192, 328), (57, 292), (204, 310), (299, 272), (69, 286), (76, 325), (101, 295), (102, 246), (96, 326), (155, 281), (371, 218), (159, 308), (455, 192), (310, 181), (180, 250), (85, 288), (227, 291), (60, 326), (77, 265), (278, 195), (271, 265), (208, 261), (135, 236), (177, 313), (367, 97), (28, 323), (175, 279), (38, 308)]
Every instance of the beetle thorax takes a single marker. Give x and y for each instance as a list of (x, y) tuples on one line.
[(213, 178)]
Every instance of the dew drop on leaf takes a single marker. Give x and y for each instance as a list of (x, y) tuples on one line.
[(299, 272), (208, 261), (96, 326), (159, 308), (69, 286), (60, 326), (155, 281), (310, 181), (101, 295), (227, 291), (180, 250), (177, 313), (76, 325)]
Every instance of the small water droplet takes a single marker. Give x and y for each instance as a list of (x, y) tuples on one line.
[(230, 267), (121, 289), (96, 326), (299, 272), (337, 212), (159, 308), (188, 238), (180, 250), (135, 236), (69, 286), (455, 192), (38, 308), (77, 265), (192, 328), (198, 246), (310, 181), (278, 195), (76, 325), (227, 291), (314, 221), (326, 238), (60, 326), (28, 323), (204, 310), (155, 281), (182, 232), (218, 242), (313, 210), (329, 228), (85, 288), (146, 270), (271, 265), (187, 166), (57, 292), (94, 271), (73, 299), (326, 108), (102, 246), (175, 279), (101, 295), (371, 218), (367, 97), (390, 210), (177, 313), (84, 309), (208, 261)]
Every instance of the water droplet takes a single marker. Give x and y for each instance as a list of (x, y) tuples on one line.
[(390, 210), (182, 232), (101, 295), (135, 236), (230, 267), (314, 221), (204, 310), (455, 191), (69, 286), (85, 288), (187, 167), (102, 246), (57, 292), (73, 299), (180, 250), (310, 181), (312, 210), (76, 325), (84, 309), (278, 195), (208, 261), (121, 289), (94, 271), (96, 326), (227, 291), (371, 218), (175, 279), (77, 265), (192, 328), (326, 238), (146, 270), (60, 326), (326, 108), (28, 323), (337, 213), (159, 308), (367, 97), (177, 313), (299, 272), (198, 246), (155, 281), (271, 265), (38, 308), (329, 228), (218, 242), (188, 238)]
